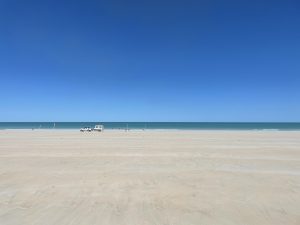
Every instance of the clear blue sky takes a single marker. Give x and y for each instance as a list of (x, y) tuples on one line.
[(150, 60)]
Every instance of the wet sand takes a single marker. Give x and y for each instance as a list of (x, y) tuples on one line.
[(149, 177)]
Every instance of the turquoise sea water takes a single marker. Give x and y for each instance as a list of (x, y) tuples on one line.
[(153, 125)]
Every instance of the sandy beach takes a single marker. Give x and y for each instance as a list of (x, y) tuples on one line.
[(153, 177)]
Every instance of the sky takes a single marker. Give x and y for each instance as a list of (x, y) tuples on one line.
[(156, 60)]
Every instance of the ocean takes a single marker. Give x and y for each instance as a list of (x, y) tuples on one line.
[(153, 125)]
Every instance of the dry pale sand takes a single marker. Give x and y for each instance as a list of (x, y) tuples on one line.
[(150, 177)]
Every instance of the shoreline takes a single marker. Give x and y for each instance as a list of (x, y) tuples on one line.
[(151, 129), (155, 125)]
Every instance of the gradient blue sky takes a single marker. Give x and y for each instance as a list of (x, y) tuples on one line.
[(149, 60)]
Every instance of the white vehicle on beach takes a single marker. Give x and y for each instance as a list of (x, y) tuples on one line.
[(98, 128), (88, 129)]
